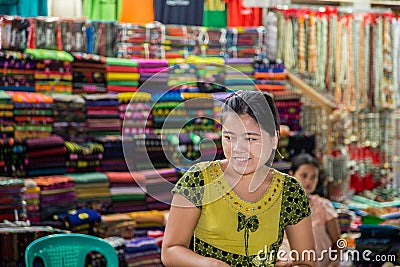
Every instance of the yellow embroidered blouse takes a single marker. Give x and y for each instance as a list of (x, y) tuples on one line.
[(232, 229)]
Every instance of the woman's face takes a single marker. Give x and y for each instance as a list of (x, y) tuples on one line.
[(307, 175), (247, 147)]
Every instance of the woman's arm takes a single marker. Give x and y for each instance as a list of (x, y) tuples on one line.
[(333, 230), (182, 220), (301, 239)]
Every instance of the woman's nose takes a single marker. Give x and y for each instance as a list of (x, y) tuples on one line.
[(240, 146)]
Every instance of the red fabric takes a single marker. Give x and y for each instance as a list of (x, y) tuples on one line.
[(238, 15)]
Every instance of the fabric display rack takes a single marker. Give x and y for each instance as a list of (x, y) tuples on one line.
[(100, 119)]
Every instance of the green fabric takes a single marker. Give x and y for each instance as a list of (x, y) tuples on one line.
[(128, 197), (214, 19), (49, 54), (89, 177), (121, 62), (102, 10), (123, 83)]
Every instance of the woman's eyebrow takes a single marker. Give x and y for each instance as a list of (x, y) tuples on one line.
[(248, 133)]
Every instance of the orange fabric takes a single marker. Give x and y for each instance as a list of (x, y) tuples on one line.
[(137, 11), (238, 15)]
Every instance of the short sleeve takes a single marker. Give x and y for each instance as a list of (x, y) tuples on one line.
[(191, 186), (294, 201), (330, 212)]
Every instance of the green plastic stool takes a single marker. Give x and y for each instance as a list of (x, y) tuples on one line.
[(68, 250)]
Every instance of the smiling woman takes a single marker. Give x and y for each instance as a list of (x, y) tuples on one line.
[(238, 206)]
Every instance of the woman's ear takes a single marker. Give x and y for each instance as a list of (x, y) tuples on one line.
[(275, 141), (290, 173)]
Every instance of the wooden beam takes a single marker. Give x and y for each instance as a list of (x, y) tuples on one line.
[(299, 83), (326, 104)]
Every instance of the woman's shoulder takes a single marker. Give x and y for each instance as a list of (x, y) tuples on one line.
[(286, 178)]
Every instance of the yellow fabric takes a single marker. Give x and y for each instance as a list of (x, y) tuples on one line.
[(122, 76), (216, 213), (214, 5)]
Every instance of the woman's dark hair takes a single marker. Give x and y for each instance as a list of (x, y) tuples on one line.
[(260, 106), (302, 159)]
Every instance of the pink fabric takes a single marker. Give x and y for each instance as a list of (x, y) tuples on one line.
[(322, 211)]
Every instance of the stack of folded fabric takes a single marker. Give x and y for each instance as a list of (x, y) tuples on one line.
[(122, 75), (12, 205), (135, 113), (246, 42), (119, 245), (211, 42), (57, 195), (175, 42), (182, 76), (92, 191), (53, 72), (46, 156), (159, 184), (142, 251), (289, 108), (6, 115), (209, 69), (147, 220), (33, 114), (101, 38), (32, 199), (84, 157), (17, 71), (118, 224), (148, 152), (70, 117), (126, 192), (199, 108), (96, 259), (14, 240), (13, 166), (168, 111), (153, 75), (270, 77), (113, 155), (102, 113), (89, 73), (239, 74), (133, 41)]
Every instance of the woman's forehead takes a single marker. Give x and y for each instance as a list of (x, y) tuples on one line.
[(239, 123)]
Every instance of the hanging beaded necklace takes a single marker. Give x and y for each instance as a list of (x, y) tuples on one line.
[(312, 45), (322, 43), (331, 53), (301, 62), (386, 92), (289, 58), (349, 97), (362, 68)]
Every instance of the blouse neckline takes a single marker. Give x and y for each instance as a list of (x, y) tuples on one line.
[(263, 204)]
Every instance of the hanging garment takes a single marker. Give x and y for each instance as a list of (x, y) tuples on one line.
[(137, 11), (214, 13), (238, 15), (24, 8), (186, 12), (102, 10), (65, 9)]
